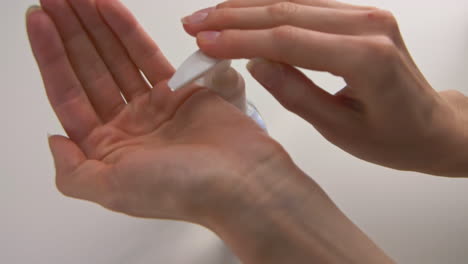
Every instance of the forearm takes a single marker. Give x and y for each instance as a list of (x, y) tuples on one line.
[(285, 217)]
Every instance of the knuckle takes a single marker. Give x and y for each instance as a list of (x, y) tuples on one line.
[(381, 57), (379, 14), (292, 103), (458, 93), (232, 41), (284, 33), (386, 21), (283, 37), (282, 12), (222, 15), (453, 94), (382, 48)]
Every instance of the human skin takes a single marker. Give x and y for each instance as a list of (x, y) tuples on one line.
[(187, 155), (387, 114), (109, 140)]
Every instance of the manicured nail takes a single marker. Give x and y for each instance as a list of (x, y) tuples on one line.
[(208, 37), (268, 73), (198, 16), (32, 8), (206, 10)]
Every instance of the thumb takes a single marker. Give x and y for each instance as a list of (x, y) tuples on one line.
[(297, 93), (67, 156), (76, 176)]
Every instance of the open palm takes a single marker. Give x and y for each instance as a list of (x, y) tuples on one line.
[(132, 148)]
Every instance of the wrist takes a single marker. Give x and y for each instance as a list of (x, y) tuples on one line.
[(247, 188), (283, 216), (247, 223), (233, 179)]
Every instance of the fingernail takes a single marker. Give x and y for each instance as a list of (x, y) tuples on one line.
[(268, 73), (32, 9), (206, 10), (198, 16), (208, 37)]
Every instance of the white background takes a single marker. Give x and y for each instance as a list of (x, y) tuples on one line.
[(415, 218)]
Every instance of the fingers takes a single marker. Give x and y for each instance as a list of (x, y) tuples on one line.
[(141, 48), (318, 3), (98, 82), (78, 177), (338, 54), (299, 94), (335, 21), (342, 41), (124, 71), (63, 88)]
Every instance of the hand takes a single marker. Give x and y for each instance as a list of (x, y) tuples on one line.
[(387, 114), (155, 154), (187, 155)]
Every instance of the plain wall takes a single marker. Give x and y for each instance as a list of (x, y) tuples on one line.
[(415, 218)]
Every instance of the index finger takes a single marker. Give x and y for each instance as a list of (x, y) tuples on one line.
[(318, 3), (338, 54)]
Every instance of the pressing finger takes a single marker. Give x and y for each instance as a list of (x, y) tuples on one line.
[(336, 21), (317, 3), (338, 54)]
